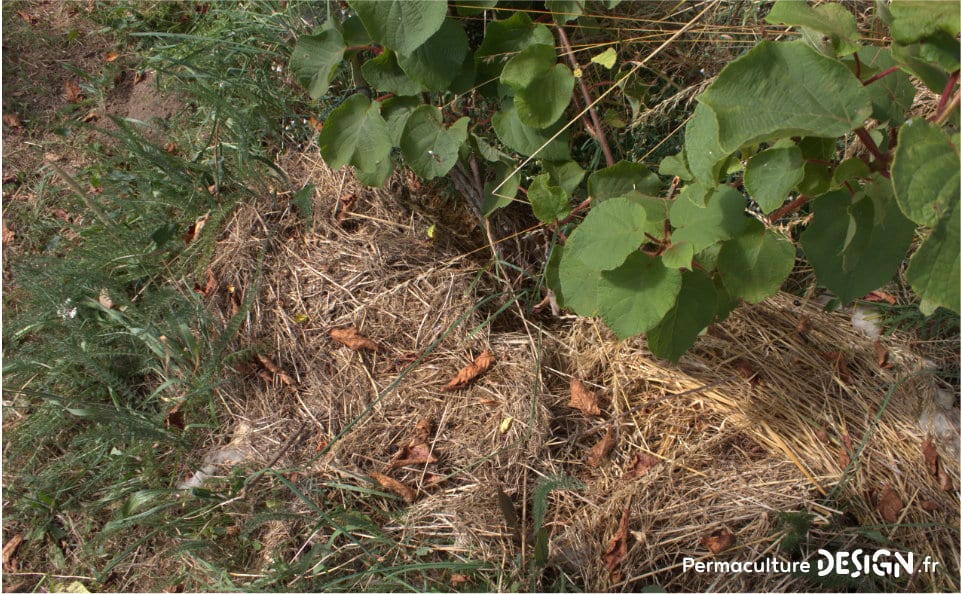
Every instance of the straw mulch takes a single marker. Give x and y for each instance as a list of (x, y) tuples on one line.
[(750, 425)]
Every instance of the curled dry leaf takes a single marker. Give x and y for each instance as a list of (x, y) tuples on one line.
[(353, 339), (422, 431), (601, 449), (471, 372), (175, 418), (890, 505), (930, 455), (92, 116), (930, 505), (583, 399), (10, 553), (209, 287), (346, 205), (804, 325), (194, 230), (747, 371), (275, 370), (111, 57), (642, 463), (881, 355), (719, 541), (72, 92), (411, 455), (394, 485), (847, 448), (457, 579), (617, 548), (878, 296)]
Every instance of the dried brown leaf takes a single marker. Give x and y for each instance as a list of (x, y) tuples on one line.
[(412, 455), (930, 505), (878, 296), (944, 479), (104, 298), (8, 235), (346, 205), (29, 18), (840, 363), (642, 463), (471, 372), (92, 116), (422, 431), (394, 485), (111, 57), (601, 449), (583, 399), (456, 579), (617, 548), (847, 448), (194, 230), (881, 355), (170, 148), (52, 157), (747, 371), (72, 92), (804, 325), (10, 552), (175, 418), (890, 505), (59, 213), (930, 455), (12, 120), (719, 541), (209, 287), (353, 339)]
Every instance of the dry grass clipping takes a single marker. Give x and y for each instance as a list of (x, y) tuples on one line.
[(762, 434)]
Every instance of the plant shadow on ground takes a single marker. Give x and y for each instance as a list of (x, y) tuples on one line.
[(159, 351)]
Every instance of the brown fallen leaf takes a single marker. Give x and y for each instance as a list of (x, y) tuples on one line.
[(92, 116), (275, 370), (642, 463), (59, 213), (354, 340), (890, 505), (72, 92), (111, 57), (52, 157), (878, 296), (8, 235), (881, 355), (170, 148), (12, 120), (175, 418), (194, 230), (847, 448), (747, 371), (471, 372), (346, 204), (930, 455), (930, 505), (840, 363), (583, 399), (316, 124), (719, 541), (422, 431), (804, 325), (412, 455), (617, 547), (10, 553), (601, 449), (394, 485), (944, 479), (29, 18), (209, 287), (456, 579)]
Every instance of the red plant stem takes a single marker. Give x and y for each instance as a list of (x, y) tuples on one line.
[(869, 144), (788, 208), (879, 75), (372, 48), (857, 66), (946, 94), (574, 212), (599, 131)]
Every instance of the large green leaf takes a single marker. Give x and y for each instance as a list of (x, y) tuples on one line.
[(779, 90), (620, 179), (578, 284), (566, 174), (550, 203), (925, 172), (609, 233), (439, 60), (917, 20), (722, 218), (705, 157), (565, 10), (891, 95), (504, 195), (694, 311), (429, 148), (395, 111), (832, 20), (856, 244), (676, 165), (526, 140), (755, 263), (502, 40), (384, 74), (356, 134), (636, 296), (910, 58), (934, 268), (401, 25), (315, 58), (473, 7), (542, 87), (771, 174)]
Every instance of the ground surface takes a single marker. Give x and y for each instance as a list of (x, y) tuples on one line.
[(783, 409)]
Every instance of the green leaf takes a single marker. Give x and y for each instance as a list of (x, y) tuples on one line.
[(678, 255), (505, 194), (832, 20), (722, 218), (635, 297), (473, 7), (315, 58), (607, 58), (566, 174), (527, 140), (696, 194), (395, 111), (918, 20), (694, 311), (816, 180), (376, 175), (856, 244), (705, 157), (676, 165), (891, 95), (487, 152), (464, 81), (356, 134), (620, 179), (925, 172), (401, 25), (384, 74), (439, 60), (429, 148), (779, 90), (353, 31), (755, 263), (565, 10), (910, 58), (550, 203), (502, 40), (849, 169), (608, 234), (772, 174), (303, 200), (552, 273), (934, 268), (579, 284), (542, 87)]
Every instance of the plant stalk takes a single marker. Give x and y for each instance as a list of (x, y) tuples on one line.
[(87, 200)]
